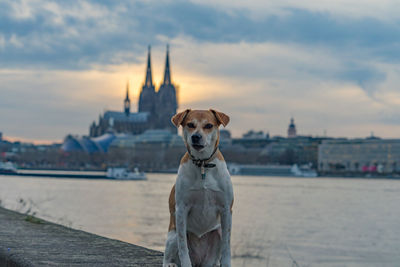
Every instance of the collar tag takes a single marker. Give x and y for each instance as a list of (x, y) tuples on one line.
[(202, 170)]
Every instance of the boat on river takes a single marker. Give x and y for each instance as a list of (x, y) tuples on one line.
[(121, 173), (272, 170), (7, 168)]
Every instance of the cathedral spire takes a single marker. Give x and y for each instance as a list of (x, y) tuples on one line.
[(148, 95), (127, 91), (167, 73), (127, 101), (149, 79)]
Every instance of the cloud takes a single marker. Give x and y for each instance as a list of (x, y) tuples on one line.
[(332, 67), (384, 9), (59, 102), (90, 32), (47, 105), (2, 42), (294, 62), (262, 85), (79, 35)]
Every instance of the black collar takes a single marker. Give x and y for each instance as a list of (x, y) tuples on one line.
[(203, 163)]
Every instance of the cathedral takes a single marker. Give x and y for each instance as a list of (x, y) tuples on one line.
[(155, 107)]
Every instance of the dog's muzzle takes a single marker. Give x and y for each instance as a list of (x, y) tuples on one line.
[(196, 141)]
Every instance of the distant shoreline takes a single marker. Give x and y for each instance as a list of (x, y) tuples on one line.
[(101, 174)]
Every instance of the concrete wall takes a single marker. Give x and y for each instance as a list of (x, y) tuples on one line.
[(26, 242)]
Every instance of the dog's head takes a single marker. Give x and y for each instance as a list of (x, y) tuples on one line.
[(200, 130)]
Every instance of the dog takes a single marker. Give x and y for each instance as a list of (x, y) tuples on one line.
[(200, 202)]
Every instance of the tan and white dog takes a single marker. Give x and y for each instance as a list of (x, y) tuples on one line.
[(201, 200)]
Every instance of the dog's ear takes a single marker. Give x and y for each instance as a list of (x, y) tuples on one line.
[(222, 118), (178, 118)]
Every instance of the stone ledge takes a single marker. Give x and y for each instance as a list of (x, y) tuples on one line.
[(25, 244)]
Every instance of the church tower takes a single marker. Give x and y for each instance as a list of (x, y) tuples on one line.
[(292, 129), (147, 97), (166, 98), (127, 101)]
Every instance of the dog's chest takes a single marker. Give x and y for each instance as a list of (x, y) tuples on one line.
[(205, 193), (199, 191), (207, 183), (205, 198), (206, 201)]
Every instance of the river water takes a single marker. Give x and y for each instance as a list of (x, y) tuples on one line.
[(276, 221)]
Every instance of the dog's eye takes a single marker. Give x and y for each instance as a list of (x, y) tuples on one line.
[(208, 126), (190, 125)]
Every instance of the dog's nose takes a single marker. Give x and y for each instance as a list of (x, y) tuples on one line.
[(196, 138)]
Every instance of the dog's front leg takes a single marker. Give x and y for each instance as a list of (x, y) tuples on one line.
[(181, 220), (226, 224)]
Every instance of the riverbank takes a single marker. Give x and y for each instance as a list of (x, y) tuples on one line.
[(58, 174), (28, 241), (359, 175), (101, 174)]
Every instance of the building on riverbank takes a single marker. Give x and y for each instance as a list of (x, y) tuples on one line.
[(154, 150), (87, 144), (359, 155)]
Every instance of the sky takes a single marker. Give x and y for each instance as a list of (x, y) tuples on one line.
[(332, 65)]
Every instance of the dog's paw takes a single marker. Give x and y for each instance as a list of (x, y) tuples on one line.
[(170, 265)]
